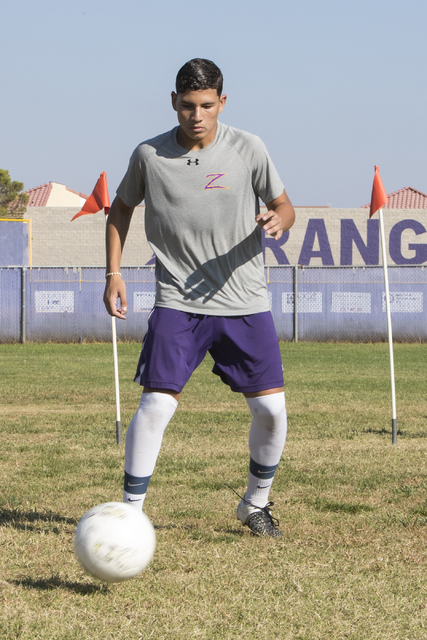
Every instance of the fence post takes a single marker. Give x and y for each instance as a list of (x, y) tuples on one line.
[(23, 305), (296, 303)]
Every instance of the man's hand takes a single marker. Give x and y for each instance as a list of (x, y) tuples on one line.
[(279, 217), (115, 289)]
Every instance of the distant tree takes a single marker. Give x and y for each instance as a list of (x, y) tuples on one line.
[(13, 203)]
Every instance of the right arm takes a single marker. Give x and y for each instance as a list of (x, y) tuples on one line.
[(118, 223)]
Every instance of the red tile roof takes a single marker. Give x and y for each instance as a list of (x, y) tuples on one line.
[(39, 195), (407, 198)]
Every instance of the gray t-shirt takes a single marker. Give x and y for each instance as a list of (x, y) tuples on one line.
[(200, 219)]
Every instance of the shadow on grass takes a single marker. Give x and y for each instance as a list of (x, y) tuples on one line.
[(55, 582), (402, 434), (339, 507), (238, 531), (378, 432), (200, 533), (30, 520)]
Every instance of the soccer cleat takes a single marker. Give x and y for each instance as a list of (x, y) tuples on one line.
[(258, 519)]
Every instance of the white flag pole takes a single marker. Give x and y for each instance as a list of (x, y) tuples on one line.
[(99, 199), (389, 332), (116, 382), (116, 374)]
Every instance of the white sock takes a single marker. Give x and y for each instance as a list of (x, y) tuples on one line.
[(143, 441), (267, 439)]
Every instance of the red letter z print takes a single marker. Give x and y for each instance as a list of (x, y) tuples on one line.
[(215, 177)]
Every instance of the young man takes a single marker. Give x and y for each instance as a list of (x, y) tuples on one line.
[(201, 183)]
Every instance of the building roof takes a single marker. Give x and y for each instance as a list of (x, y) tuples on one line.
[(53, 194), (407, 198), (38, 196)]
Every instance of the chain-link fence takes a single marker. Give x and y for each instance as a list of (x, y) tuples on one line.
[(307, 303), (348, 303)]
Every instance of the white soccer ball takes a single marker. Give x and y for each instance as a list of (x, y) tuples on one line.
[(114, 541)]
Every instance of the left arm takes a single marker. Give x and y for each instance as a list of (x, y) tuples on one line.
[(279, 217)]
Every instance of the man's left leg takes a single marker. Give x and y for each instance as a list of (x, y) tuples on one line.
[(247, 358), (267, 439)]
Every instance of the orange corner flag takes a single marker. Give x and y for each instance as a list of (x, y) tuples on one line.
[(379, 196), (99, 198)]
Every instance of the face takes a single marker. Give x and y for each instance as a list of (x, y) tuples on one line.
[(198, 113)]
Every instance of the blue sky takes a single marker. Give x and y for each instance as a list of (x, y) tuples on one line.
[(332, 87)]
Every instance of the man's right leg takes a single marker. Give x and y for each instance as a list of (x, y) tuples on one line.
[(174, 345), (143, 441)]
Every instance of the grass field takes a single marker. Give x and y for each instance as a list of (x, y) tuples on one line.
[(352, 507)]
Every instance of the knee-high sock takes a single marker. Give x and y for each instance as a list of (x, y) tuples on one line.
[(267, 438), (143, 441)]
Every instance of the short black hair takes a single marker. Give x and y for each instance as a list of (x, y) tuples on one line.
[(197, 75)]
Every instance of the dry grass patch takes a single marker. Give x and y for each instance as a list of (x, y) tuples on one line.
[(353, 508)]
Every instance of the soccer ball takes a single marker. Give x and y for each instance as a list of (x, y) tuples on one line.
[(114, 541)]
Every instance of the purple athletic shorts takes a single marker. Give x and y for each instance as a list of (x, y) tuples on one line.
[(245, 350)]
